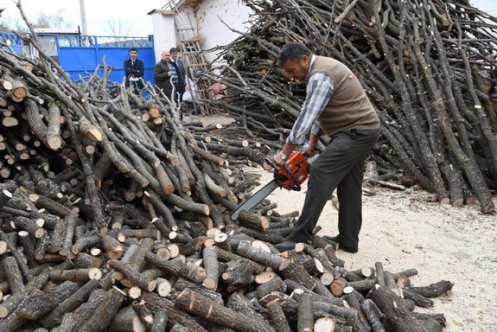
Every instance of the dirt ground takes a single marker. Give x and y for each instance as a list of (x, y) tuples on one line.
[(403, 230)]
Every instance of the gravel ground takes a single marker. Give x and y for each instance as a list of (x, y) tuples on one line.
[(403, 229)]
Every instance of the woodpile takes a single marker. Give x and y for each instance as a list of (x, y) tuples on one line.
[(427, 65), (200, 280), (119, 224), (123, 225)]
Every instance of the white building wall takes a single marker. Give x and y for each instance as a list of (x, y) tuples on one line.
[(207, 20), (164, 33), (212, 30)]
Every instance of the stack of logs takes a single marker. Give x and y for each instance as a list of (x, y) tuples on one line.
[(113, 223), (109, 224), (427, 65), (59, 276)]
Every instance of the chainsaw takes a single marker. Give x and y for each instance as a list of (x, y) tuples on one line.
[(289, 176)]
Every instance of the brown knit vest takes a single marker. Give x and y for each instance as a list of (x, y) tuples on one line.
[(349, 106)]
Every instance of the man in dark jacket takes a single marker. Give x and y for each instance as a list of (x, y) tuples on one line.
[(133, 70), (163, 74), (179, 74), (337, 105)]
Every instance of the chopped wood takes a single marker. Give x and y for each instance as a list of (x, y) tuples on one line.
[(94, 194), (435, 107), (201, 306), (324, 324)]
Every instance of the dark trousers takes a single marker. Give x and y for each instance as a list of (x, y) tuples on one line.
[(340, 166), (178, 94)]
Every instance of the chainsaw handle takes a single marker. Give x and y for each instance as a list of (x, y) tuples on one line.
[(271, 163), (296, 185), (314, 152)]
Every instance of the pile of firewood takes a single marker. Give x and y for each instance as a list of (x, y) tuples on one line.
[(114, 223), (427, 65), (110, 222)]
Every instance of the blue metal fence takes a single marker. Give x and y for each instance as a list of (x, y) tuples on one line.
[(12, 41), (79, 55)]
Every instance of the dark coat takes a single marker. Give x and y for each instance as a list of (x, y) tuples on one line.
[(180, 70), (162, 77), (133, 70)]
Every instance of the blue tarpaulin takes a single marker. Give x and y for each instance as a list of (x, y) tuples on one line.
[(80, 55), (11, 41)]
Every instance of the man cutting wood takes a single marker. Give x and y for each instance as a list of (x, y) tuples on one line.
[(337, 105)]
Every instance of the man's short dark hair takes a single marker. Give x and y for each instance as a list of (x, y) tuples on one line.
[(292, 52), (133, 49), (173, 50)]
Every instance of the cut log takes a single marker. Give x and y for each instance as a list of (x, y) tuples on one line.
[(201, 306), (84, 260), (34, 307), (79, 297), (276, 284), (76, 275), (327, 278), (275, 262), (163, 287), (160, 321), (324, 324), (433, 290), (6, 84), (278, 319), (211, 266), (305, 314), (265, 277), (13, 274), (113, 249), (249, 219), (5, 197), (92, 132), (368, 308), (126, 319), (104, 313), (53, 137), (19, 90), (133, 275), (238, 273), (395, 311), (337, 287), (154, 302), (144, 314)]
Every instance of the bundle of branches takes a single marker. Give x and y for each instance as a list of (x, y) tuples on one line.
[(428, 67), (88, 145)]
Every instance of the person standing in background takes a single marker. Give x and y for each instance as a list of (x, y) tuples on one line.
[(179, 73), (133, 70), (163, 74)]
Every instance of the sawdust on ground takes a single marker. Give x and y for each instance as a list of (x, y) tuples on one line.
[(403, 230)]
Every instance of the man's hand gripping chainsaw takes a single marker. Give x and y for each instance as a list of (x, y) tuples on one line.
[(293, 173), (289, 176)]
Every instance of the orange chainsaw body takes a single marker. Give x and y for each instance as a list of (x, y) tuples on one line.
[(290, 176), (294, 172)]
